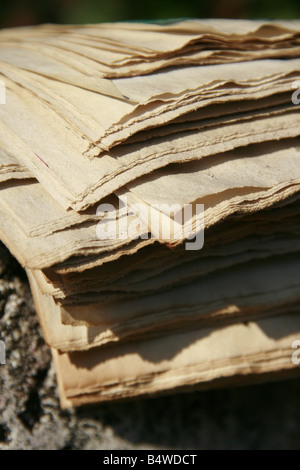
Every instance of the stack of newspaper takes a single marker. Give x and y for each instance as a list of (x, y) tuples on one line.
[(150, 186)]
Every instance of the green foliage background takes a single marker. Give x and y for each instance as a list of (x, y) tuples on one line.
[(27, 12)]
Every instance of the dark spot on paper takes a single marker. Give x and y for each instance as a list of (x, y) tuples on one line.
[(42, 160)]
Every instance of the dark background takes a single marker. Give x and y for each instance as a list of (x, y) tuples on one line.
[(27, 12)]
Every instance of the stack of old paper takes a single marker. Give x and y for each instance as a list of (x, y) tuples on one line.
[(150, 185)]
